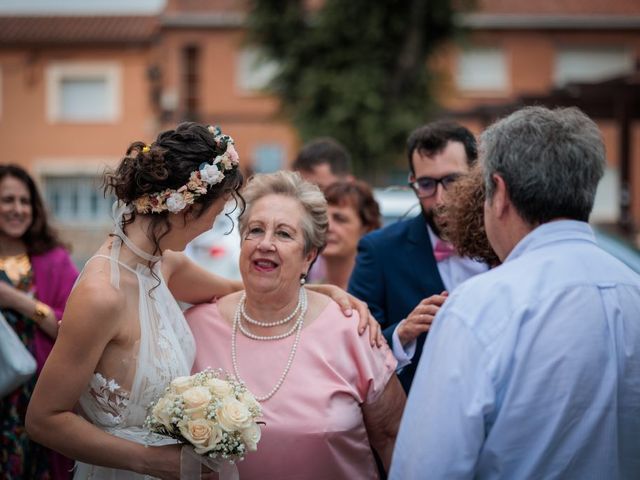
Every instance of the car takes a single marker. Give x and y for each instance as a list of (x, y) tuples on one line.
[(218, 249), (396, 203)]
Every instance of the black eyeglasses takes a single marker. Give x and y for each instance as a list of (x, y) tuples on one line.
[(426, 187)]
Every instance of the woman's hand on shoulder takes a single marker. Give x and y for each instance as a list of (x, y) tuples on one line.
[(348, 303)]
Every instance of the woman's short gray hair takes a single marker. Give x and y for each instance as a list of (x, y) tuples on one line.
[(315, 222), (551, 162)]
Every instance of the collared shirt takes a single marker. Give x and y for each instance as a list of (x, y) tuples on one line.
[(453, 271), (531, 370)]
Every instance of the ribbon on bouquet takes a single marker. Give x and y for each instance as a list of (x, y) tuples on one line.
[(191, 465)]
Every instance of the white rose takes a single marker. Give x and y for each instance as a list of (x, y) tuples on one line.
[(196, 397), (251, 437), (161, 412), (250, 401), (233, 415), (214, 439), (176, 202), (181, 384), (196, 413), (211, 175), (220, 388), (196, 432)]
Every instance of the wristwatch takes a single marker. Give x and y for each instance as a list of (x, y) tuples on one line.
[(42, 311)]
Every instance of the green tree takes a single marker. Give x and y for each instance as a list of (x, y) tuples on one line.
[(355, 70)]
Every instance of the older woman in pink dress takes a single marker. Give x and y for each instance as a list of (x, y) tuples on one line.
[(328, 397)]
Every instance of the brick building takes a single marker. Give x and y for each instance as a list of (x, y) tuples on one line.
[(76, 90)]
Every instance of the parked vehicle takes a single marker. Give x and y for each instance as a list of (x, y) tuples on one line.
[(396, 203), (218, 250)]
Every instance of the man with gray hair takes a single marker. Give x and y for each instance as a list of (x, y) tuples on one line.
[(532, 370)]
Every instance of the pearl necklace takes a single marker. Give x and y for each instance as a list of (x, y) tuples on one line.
[(234, 354), (272, 324)]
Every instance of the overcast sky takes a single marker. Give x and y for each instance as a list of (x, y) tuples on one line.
[(80, 6)]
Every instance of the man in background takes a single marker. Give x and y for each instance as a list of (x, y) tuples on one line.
[(532, 370), (323, 161), (404, 270)]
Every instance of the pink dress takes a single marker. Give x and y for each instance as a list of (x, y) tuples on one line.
[(314, 424)]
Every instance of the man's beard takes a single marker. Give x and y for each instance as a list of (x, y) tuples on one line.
[(430, 217)]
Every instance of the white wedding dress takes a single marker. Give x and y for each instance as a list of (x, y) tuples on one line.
[(166, 350)]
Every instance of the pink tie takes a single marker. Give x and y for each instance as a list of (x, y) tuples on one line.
[(443, 250)]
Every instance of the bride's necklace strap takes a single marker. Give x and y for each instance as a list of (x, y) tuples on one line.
[(118, 212), (270, 324)]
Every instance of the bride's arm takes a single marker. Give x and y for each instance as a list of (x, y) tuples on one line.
[(191, 283), (92, 319)]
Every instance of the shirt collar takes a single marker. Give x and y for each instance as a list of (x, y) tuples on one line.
[(552, 232)]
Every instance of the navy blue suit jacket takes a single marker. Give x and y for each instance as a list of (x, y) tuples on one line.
[(395, 270)]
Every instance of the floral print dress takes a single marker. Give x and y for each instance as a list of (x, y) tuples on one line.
[(20, 458)]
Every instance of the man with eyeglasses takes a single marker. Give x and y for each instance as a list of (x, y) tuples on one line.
[(405, 270), (532, 370)]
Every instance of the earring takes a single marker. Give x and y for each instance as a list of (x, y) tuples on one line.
[(303, 279)]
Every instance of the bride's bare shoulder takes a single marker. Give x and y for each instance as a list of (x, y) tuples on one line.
[(95, 302)]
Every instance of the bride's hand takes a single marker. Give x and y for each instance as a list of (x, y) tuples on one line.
[(164, 462), (347, 304)]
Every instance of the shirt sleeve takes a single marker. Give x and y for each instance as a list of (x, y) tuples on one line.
[(443, 426), (374, 367), (403, 354)]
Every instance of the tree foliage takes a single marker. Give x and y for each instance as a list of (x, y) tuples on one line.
[(353, 69)]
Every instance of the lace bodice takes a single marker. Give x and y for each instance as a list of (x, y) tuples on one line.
[(166, 349)]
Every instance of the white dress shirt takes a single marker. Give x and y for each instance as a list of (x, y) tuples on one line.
[(532, 370), (453, 271)]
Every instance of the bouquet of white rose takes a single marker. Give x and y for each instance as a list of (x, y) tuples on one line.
[(211, 411)]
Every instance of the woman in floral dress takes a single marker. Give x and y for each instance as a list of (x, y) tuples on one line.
[(36, 276)]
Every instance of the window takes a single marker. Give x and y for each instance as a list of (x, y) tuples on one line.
[(268, 158), (77, 198), (253, 71), (591, 64), (191, 81), (482, 69), (83, 92)]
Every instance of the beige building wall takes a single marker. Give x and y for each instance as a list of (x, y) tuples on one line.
[(250, 116), (530, 66), (151, 91)]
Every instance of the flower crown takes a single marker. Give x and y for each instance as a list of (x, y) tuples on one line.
[(207, 175)]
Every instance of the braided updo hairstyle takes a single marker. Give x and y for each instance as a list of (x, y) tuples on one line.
[(168, 163)]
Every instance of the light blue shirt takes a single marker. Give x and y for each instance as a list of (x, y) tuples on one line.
[(531, 370), (453, 271)]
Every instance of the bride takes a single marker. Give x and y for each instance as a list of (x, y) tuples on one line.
[(123, 337)]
